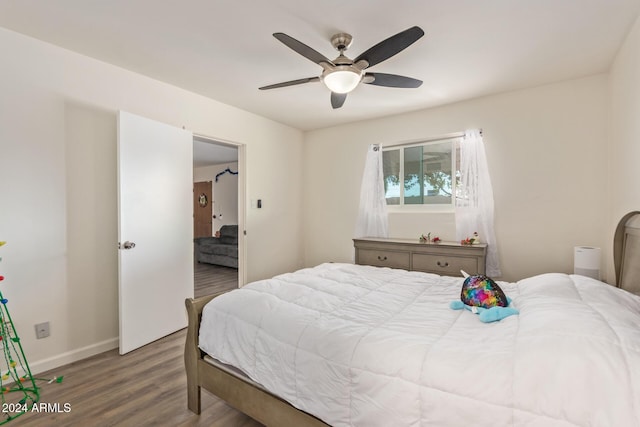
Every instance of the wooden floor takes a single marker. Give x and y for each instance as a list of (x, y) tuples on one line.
[(210, 279), (146, 387)]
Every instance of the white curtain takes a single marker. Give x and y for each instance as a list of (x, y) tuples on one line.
[(474, 204), (372, 218)]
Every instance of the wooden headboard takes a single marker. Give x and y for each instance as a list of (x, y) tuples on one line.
[(626, 253)]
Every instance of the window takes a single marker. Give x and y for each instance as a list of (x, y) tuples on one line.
[(422, 173)]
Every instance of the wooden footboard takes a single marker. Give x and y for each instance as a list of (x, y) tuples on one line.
[(243, 395), (192, 353)]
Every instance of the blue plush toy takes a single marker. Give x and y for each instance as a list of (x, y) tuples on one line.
[(482, 296)]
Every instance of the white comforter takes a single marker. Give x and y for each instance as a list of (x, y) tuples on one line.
[(366, 346)]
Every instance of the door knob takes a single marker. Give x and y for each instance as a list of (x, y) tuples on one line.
[(126, 245)]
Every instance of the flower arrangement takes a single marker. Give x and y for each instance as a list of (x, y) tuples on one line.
[(471, 240), (429, 239)]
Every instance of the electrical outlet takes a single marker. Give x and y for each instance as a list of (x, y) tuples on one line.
[(42, 330)]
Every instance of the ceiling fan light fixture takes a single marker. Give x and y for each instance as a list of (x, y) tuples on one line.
[(343, 75), (342, 79)]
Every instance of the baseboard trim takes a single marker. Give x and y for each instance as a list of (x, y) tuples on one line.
[(72, 356)]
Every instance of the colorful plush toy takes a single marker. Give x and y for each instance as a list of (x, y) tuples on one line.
[(481, 295)]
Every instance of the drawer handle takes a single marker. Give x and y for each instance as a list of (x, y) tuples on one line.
[(440, 264), (382, 258)]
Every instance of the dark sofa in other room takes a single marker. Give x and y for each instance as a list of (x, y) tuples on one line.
[(221, 250)]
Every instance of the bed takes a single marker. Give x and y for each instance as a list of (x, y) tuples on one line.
[(342, 344)]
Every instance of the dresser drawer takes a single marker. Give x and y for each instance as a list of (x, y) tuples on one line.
[(447, 265), (382, 258), (446, 258)]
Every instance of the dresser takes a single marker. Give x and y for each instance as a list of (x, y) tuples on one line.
[(445, 258)]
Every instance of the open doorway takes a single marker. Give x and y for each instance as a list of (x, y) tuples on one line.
[(217, 217)]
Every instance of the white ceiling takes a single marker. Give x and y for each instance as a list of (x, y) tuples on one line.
[(224, 49), (207, 153)]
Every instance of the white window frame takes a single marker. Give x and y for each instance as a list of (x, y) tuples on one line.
[(455, 140)]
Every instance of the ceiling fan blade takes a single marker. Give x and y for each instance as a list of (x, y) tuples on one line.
[(337, 99), (291, 83), (391, 80), (302, 48), (391, 46)]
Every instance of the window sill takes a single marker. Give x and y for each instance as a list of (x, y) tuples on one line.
[(427, 209)]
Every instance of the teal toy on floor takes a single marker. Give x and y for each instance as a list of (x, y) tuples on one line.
[(482, 296)]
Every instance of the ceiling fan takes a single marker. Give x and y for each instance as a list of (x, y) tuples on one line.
[(342, 75)]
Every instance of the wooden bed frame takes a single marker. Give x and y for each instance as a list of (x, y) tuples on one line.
[(241, 393), (626, 252), (253, 400)]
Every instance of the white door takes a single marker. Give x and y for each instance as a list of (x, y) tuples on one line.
[(155, 229)]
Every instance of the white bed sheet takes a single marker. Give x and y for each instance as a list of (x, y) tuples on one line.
[(367, 346)]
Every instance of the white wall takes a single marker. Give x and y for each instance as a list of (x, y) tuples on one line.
[(58, 189), (546, 149), (225, 193), (625, 134)]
